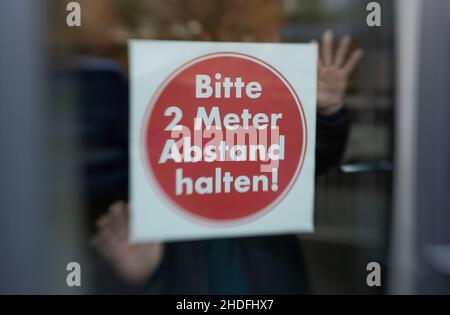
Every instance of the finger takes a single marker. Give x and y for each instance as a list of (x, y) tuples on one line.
[(327, 48), (342, 51), (113, 230), (117, 212), (103, 221), (115, 234), (120, 229), (109, 234), (353, 61), (103, 245), (117, 207), (104, 237), (119, 223), (108, 243), (108, 218)]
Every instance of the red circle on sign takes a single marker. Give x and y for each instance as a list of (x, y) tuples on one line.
[(218, 199)]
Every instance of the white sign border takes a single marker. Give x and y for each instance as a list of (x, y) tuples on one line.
[(141, 227)]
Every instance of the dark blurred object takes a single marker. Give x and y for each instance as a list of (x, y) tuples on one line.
[(102, 96)]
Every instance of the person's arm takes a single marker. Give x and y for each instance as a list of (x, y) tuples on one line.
[(334, 69), (331, 137)]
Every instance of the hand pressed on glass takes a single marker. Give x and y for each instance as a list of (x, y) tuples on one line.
[(134, 262), (334, 69)]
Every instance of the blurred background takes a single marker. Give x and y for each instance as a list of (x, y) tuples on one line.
[(64, 107)]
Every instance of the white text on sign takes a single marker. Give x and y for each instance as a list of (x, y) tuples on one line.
[(204, 87), (222, 147)]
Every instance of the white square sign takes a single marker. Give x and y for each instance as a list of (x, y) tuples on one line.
[(222, 139)]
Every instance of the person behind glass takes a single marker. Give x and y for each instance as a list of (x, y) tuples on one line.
[(252, 265)]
